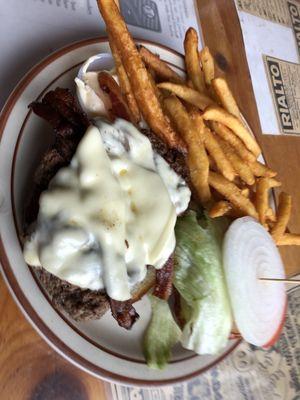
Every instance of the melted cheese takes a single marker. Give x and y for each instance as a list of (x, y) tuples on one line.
[(110, 213)]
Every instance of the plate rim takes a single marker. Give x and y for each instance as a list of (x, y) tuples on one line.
[(18, 294)]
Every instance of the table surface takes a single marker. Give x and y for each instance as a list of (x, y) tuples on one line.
[(29, 368)]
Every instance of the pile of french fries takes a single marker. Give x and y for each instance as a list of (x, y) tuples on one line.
[(199, 116)]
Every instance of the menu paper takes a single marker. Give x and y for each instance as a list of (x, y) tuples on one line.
[(249, 373), (284, 81), (294, 11), (163, 21), (272, 10), (268, 29), (30, 33)]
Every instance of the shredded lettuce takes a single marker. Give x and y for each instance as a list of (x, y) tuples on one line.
[(161, 334), (200, 280)]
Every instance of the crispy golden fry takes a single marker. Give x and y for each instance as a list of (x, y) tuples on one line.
[(269, 225), (225, 96), (161, 68), (198, 165), (213, 113), (137, 74), (208, 65), (189, 83), (220, 208), (212, 163), (193, 68), (270, 215), (157, 92), (152, 73), (288, 239), (125, 84), (226, 134), (119, 107), (245, 192), (283, 215), (197, 159), (262, 196), (191, 96), (213, 148), (240, 167), (232, 193), (260, 169)]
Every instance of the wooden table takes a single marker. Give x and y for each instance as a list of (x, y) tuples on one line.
[(29, 368)]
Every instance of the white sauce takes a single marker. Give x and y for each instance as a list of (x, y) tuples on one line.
[(110, 213), (93, 100)]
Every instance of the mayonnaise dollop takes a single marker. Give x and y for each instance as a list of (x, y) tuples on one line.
[(110, 213), (93, 100)]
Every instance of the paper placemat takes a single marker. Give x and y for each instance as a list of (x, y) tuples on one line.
[(284, 83), (271, 28), (249, 373), (30, 33)]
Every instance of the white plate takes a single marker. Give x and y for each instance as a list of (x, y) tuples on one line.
[(99, 347)]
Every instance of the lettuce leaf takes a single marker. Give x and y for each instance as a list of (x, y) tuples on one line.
[(200, 280), (161, 334)]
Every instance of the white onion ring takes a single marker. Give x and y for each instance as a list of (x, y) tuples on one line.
[(249, 253)]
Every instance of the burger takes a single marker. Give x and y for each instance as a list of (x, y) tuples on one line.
[(100, 223)]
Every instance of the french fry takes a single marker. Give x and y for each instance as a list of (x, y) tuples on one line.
[(260, 169), (191, 96), (189, 83), (262, 197), (226, 134), (283, 215), (213, 113), (161, 68), (194, 72), (288, 239), (197, 159), (119, 107), (213, 148), (157, 92), (137, 74), (212, 163), (240, 167), (225, 96), (270, 215), (245, 192), (232, 193), (219, 209), (198, 165), (125, 84), (208, 65)]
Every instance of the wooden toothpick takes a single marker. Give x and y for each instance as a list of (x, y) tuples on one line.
[(295, 281)]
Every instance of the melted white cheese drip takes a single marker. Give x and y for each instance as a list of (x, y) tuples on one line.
[(110, 213)]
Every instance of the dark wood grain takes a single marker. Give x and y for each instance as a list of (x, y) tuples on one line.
[(222, 33), (30, 369)]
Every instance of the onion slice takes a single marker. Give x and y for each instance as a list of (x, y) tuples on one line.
[(249, 253)]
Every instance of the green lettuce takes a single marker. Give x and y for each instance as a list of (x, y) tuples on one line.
[(161, 335), (200, 280)]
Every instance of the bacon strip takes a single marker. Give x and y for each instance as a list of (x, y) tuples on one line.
[(164, 277), (63, 101), (118, 103), (60, 109), (124, 313)]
